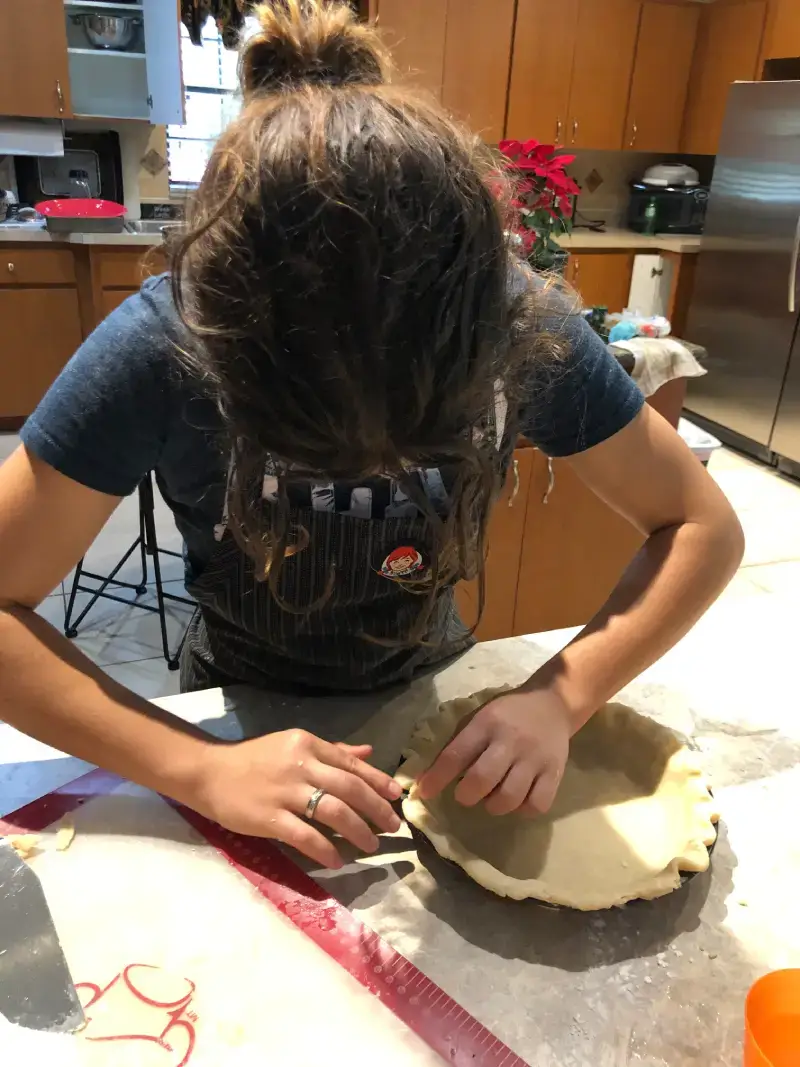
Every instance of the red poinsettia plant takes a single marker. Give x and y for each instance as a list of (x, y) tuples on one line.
[(543, 198)]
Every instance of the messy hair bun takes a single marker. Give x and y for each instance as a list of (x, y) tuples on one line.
[(310, 42)]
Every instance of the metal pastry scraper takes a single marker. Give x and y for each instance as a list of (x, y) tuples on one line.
[(36, 989)]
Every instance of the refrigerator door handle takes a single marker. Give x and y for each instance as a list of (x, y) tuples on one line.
[(793, 267)]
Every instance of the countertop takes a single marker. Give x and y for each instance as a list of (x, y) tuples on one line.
[(590, 240), (579, 240), (654, 984), (19, 235)]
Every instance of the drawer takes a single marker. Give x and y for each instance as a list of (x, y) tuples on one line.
[(127, 268), (36, 266)]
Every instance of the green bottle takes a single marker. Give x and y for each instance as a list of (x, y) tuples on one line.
[(650, 217)]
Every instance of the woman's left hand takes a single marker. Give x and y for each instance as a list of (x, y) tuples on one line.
[(511, 755)]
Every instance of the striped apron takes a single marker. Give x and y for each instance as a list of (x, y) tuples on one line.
[(240, 633)]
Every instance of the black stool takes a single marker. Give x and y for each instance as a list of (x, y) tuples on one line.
[(147, 544)]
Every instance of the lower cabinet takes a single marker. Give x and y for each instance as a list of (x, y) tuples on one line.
[(504, 541), (41, 330), (602, 278), (555, 552)]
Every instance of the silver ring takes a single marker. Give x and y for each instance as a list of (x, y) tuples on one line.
[(313, 803)]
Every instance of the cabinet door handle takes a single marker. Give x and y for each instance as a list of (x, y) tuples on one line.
[(574, 130), (515, 490), (60, 95), (11, 268), (559, 125), (576, 271), (634, 131)]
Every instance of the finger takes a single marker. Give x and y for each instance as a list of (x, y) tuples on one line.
[(357, 794), (359, 751), (379, 781), (340, 817), (485, 774), (512, 791), (543, 793), (461, 753), (302, 836)]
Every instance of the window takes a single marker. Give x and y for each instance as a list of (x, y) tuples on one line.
[(209, 76)]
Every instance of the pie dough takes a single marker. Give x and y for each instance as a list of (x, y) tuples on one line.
[(633, 810)]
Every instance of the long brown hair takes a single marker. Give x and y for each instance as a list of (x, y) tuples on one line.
[(345, 280)]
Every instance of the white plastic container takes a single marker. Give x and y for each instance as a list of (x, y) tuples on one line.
[(701, 443)]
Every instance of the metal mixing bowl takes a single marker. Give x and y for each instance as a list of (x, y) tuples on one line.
[(111, 31)]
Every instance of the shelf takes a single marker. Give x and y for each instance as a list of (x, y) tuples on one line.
[(104, 52), (98, 6)]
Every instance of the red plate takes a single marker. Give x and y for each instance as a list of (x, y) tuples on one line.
[(80, 208)]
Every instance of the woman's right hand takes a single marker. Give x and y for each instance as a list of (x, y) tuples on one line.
[(261, 787)]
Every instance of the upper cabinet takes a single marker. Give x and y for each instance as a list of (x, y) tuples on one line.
[(728, 46), (601, 73), (34, 77), (667, 37), (541, 69), (571, 71), (477, 60), (783, 30), (142, 81), (56, 73), (415, 32)]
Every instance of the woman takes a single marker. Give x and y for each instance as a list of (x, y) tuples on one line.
[(329, 389)]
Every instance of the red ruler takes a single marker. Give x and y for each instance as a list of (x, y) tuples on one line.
[(422, 1005)]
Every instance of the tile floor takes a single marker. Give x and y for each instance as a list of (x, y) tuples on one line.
[(756, 620)]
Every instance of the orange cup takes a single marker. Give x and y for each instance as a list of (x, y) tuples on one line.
[(772, 1021)]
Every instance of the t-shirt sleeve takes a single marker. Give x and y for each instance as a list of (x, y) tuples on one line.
[(581, 396), (105, 419)]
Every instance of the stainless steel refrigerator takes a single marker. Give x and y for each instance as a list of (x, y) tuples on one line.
[(746, 300)]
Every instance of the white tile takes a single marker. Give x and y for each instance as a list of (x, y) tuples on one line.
[(725, 459), (118, 633), (783, 579), (149, 678), (8, 442), (772, 534)]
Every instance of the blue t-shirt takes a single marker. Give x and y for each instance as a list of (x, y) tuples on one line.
[(124, 406)]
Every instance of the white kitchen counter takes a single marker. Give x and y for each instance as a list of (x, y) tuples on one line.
[(19, 235), (579, 240), (589, 241), (659, 982)]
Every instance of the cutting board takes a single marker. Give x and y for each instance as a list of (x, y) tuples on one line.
[(181, 962)]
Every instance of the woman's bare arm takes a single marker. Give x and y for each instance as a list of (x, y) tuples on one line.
[(50, 690), (48, 687), (694, 545)]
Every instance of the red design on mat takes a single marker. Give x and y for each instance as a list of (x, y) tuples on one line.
[(440, 1021), (166, 1019)]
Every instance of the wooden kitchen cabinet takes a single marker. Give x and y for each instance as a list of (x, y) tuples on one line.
[(109, 275), (664, 51), (574, 550), (541, 70), (504, 540), (783, 30), (415, 33), (601, 72), (41, 330), (477, 60), (34, 71), (728, 46), (601, 278)]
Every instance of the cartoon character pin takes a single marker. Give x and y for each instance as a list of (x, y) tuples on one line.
[(402, 562)]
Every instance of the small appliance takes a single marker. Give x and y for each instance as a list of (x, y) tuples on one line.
[(95, 157), (668, 199)]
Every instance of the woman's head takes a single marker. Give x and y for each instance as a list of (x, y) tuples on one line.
[(345, 277)]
